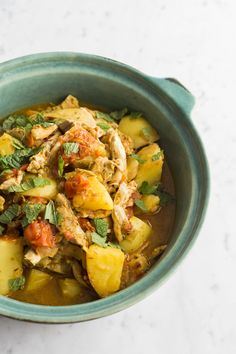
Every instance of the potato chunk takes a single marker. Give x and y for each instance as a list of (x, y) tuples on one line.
[(151, 170), (104, 267), (49, 191), (151, 202), (139, 234), (70, 287), (132, 168), (11, 256), (139, 130), (94, 197), (6, 145), (36, 280)]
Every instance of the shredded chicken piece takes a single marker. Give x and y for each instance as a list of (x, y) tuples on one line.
[(39, 161), (104, 169), (127, 143), (39, 133), (118, 156), (32, 257), (92, 214), (69, 225), (12, 181), (69, 102), (2, 201), (121, 202)]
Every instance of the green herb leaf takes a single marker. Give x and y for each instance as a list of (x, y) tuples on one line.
[(136, 157), (51, 214), (105, 116), (101, 226), (17, 283), (147, 189), (99, 240), (165, 197), (29, 184), (134, 115), (17, 159), (140, 204), (113, 245), (17, 144), (157, 156), (8, 123), (117, 115), (1, 229), (39, 120), (146, 132), (104, 126), (70, 148), (8, 215), (61, 165), (31, 213)]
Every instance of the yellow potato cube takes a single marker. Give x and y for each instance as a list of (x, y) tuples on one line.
[(104, 267), (37, 279), (6, 145)]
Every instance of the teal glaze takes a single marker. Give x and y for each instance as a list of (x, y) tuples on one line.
[(49, 77)]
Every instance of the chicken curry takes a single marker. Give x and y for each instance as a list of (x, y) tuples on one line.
[(85, 202)]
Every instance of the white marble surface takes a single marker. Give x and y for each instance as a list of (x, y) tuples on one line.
[(194, 41)]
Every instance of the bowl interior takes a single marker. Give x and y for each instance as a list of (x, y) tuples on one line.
[(109, 84)]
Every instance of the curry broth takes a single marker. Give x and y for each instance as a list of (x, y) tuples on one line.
[(162, 224)]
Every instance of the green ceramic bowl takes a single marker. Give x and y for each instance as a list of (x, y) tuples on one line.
[(50, 77)]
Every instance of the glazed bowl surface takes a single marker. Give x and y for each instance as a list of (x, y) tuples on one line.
[(49, 77)]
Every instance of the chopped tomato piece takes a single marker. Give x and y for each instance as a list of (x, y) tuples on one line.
[(75, 185), (86, 225), (40, 234), (37, 200)]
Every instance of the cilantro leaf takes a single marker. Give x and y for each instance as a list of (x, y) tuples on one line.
[(140, 204), (147, 189), (101, 226), (61, 165), (70, 148), (138, 158), (105, 116), (31, 213), (17, 159), (157, 156), (16, 283), (8, 215), (51, 214), (117, 115), (29, 184), (99, 240), (104, 126)]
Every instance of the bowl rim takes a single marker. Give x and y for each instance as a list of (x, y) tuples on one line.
[(155, 277)]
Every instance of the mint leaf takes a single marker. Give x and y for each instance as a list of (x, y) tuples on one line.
[(146, 132), (117, 115), (165, 197), (134, 115), (31, 213), (61, 165), (39, 120), (140, 204), (99, 240), (17, 144), (147, 189), (17, 283), (157, 156), (1, 229), (138, 158), (29, 184), (105, 116), (19, 158), (101, 226), (113, 245), (8, 215), (51, 214), (104, 126), (70, 148)]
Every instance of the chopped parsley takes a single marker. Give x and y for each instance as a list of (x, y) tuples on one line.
[(16, 283), (10, 213), (29, 184), (70, 148), (138, 158), (140, 204), (31, 213)]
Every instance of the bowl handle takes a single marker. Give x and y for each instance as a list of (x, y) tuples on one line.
[(176, 91)]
